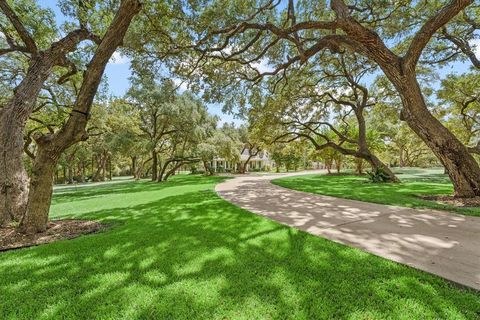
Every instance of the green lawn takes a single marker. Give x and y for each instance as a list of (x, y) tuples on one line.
[(414, 182), (178, 251)]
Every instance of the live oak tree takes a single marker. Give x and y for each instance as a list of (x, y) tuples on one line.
[(171, 124), (269, 37), (399, 146), (250, 147), (52, 145), (193, 125), (461, 96), (328, 108), (44, 53), (207, 151), (53, 107), (457, 41), (219, 145), (123, 133), (43, 57), (157, 111), (291, 156)]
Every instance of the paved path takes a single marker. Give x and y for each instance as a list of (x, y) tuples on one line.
[(438, 242)]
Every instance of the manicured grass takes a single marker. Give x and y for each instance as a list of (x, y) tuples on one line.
[(178, 251), (414, 182)]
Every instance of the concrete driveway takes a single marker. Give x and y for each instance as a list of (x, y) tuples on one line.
[(438, 242)]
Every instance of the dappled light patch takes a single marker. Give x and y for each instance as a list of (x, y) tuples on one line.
[(454, 201)]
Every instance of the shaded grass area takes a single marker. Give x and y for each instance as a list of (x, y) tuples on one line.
[(415, 182), (178, 251)]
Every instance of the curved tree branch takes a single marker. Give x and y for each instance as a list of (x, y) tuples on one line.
[(27, 39)]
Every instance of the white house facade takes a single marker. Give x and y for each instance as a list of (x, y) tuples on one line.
[(260, 162)]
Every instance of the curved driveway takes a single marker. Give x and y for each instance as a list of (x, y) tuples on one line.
[(438, 242)]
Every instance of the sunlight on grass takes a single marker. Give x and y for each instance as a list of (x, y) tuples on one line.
[(415, 182), (177, 251)]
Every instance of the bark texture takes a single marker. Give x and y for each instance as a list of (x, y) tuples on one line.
[(13, 176), (208, 168), (253, 151), (40, 194), (13, 117), (51, 146), (463, 170), (154, 165), (170, 166)]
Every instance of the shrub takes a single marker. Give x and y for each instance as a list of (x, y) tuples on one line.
[(378, 176)]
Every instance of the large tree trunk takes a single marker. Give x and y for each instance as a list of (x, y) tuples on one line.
[(208, 168), (402, 157), (161, 175), (172, 171), (13, 177), (73, 131), (13, 117), (463, 170), (40, 192), (378, 164), (359, 166), (243, 166), (134, 166), (154, 166), (110, 168), (338, 163)]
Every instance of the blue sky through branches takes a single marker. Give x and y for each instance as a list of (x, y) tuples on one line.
[(117, 72)]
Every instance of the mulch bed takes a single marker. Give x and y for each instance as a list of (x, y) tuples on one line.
[(453, 201), (56, 230)]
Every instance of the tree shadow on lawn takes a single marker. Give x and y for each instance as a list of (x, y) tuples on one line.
[(405, 194), (194, 255), (355, 185), (432, 178)]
